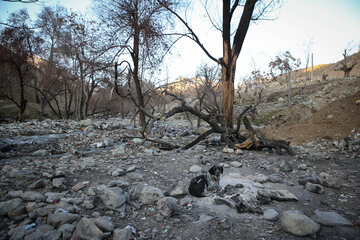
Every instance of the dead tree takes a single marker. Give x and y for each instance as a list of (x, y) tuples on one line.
[(233, 136), (344, 65)]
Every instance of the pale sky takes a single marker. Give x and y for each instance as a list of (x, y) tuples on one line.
[(331, 24)]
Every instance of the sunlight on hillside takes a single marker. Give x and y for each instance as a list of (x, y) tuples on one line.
[(315, 67)]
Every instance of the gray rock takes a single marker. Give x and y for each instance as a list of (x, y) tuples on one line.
[(168, 206), (195, 169), (118, 172), (51, 196), (20, 210), (302, 167), (328, 180), (122, 234), (27, 196), (119, 183), (131, 169), (180, 190), (59, 183), (285, 166), (276, 179), (44, 228), (67, 230), (108, 142), (104, 224), (87, 162), (86, 229), (150, 195), (119, 150), (271, 214), (135, 192), (298, 224), (41, 183), (315, 188), (9, 205), (228, 150), (34, 236), (135, 177), (304, 179), (40, 153), (58, 219), (330, 219), (86, 122), (236, 164), (113, 197), (261, 178), (52, 235), (279, 195)]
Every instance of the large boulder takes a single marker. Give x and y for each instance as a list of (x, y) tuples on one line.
[(298, 224)]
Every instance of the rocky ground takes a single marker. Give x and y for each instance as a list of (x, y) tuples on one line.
[(96, 179)]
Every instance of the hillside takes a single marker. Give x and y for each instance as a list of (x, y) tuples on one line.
[(326, 110)]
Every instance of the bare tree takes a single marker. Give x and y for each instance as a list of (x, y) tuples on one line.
[(136, 29), (232, 42), (283, 64), (345, 66), (18, 48), (307, 48), (207, 87)]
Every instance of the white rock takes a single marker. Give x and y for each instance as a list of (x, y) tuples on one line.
[(195, 169)]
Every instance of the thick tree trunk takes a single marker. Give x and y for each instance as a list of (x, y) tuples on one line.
[(136, 56)]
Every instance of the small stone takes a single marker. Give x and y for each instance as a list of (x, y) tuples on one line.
[(135, 176), (285, 166), (195, 169), (298, 224), (167, 206), (53, 235), (271, 214), (279, 195), (180, 190), (113, 197), (239, 152), (236, 164), (122, 234), (118, 150), (150, 195), (118, 172), (261, 178), (78, 186), (86, 229), (228, 150), (276, 179), (304, 179), (59, 183), (104, 224), (131, 169), (302, 167), (315, 188), (328, 180), (40, 153)]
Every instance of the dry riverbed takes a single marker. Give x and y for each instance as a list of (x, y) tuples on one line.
[(98, 179)]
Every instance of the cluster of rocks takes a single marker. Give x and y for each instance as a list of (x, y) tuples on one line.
[(83, 196)]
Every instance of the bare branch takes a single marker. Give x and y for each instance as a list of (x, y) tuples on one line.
[(193, 37)]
